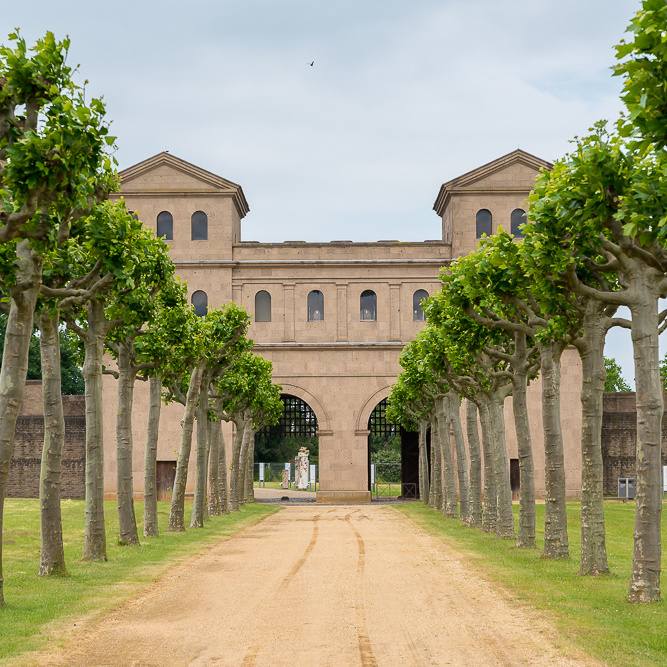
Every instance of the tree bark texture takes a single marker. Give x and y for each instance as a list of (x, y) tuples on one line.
[(15, 367), (235, 491), (475, 515), (436, 465), (177, 512), (222, 469), (213, 465), (505, 523), (526, 532), (431, 486), (95, 546), (461, 459), (243, 458), (555, 516), (150, 482), (645, 578), (52, 553), (450, 501), (490, 513), (591, 351), (250, 469), (127, 522), (423, 462), (201, 456)]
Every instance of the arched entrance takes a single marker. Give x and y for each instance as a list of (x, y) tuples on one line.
[(395, 454), (296, 428)]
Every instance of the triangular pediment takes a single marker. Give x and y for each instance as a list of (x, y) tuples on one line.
[(515, 171), (167, 174)]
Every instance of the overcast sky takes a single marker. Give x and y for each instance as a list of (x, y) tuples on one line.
[(403, 95)]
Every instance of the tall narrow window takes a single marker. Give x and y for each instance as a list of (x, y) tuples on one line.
[(199, 226), (262, 306), (200, 302), (483, 223), (165, 226), (418, 314), (517, 219), (316, 306), (368, 306)]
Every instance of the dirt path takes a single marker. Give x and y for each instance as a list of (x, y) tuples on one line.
[(318, 585)]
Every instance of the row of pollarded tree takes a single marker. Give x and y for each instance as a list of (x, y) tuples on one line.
[(68, 254), (595, 241)]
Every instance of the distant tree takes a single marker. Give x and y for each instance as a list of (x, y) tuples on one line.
[(615, 380)]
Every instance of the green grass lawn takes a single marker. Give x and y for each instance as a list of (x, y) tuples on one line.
[(591, 612), (37, 607)]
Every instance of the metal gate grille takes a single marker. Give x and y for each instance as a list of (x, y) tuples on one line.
[(297, 420)]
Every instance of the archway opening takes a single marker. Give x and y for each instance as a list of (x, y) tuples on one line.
[(279, 444)]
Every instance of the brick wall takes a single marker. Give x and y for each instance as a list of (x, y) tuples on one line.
[(619, 439), (25, 465)]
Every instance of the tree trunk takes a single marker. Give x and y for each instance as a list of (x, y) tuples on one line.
[(526, 534), (15, 367), (475, 516), (450, 501), (645, 578), (434, 446), (250, 470), (95, 545), (555, 514), (213, 465), (222, 470), (505, 523), (177, 512), (243, 458), (235, 491), (423, 462), (436, 465), (52, 553), (201, 456), (461, 459), (127, 522), (591, 352), (152, 431), (490, 514)]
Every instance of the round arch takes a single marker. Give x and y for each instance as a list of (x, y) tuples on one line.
[(323, 423), (369, 406)]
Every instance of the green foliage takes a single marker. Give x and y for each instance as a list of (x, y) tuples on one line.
[(284, 448), (70, 367), (663, 372), (614, 380)]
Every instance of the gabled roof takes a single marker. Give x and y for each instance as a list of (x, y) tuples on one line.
[(216, 183), (466, 180)]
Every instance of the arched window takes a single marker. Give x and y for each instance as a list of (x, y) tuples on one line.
[(200, 302), (418, 314), (483, 223), (262, 306), (165, 226), (368, 306), (316, 306), (199, 226), (517, 219)]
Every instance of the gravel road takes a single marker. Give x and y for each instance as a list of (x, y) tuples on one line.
[(321, 585)]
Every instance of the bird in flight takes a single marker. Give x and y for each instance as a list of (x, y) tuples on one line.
[(311, 64)]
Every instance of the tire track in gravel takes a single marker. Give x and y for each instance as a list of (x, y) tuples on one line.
[(251, 656), (365, 649)]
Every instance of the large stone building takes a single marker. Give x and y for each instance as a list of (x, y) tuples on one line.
[(332, 317)]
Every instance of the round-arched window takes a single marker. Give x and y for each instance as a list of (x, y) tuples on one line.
[(262, 306), (165, 226), (418, 314), (199, 300), (315, 306), (517, 218), (483, 223), (199, 226), (368, 306)]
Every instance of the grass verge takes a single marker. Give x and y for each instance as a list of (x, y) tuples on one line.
[(37, 607), (591, 612)]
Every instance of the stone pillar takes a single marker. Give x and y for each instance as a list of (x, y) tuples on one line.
[(395, 312), (341, 312), (289, 313)]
